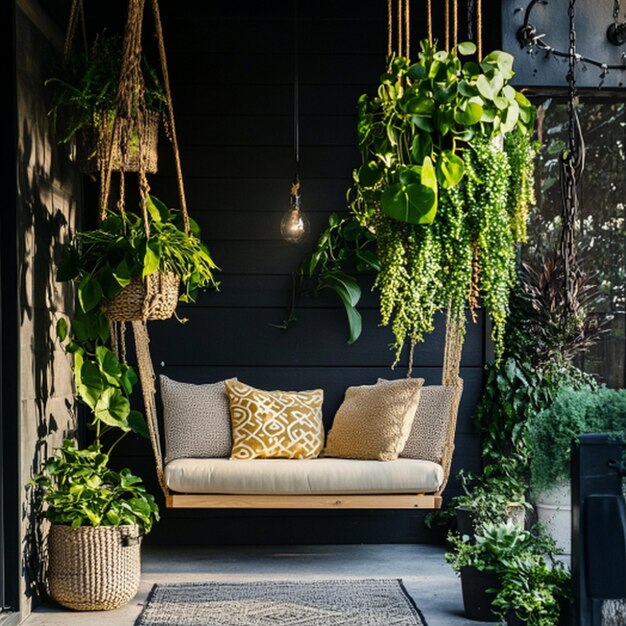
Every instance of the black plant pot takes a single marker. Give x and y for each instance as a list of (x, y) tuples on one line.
[(465, 519), (476, 599)]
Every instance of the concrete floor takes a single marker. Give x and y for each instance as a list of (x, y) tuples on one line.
[(431, 582)]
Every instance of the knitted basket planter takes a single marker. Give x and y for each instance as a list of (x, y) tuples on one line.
[(94, 568), (152, 298), (94, 141)]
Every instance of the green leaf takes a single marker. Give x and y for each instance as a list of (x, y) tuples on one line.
[(122, 273), (350, 293), (113, 409), (151, 259), (423, 123), (369, 174), (69, 264), (157, 209), (137, 423), (484, 88), (466, 48), (417, 72), (468, 114), (109, 365), (421, 147), (450, 169), (502, 60), (413, 203), (420, 105), (62, 329), (129, 378), (89, 293)]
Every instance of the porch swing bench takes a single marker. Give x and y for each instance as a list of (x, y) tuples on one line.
[(320, 483)]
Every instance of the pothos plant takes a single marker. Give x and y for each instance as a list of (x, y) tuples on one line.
[(444, 186), (78, 485)]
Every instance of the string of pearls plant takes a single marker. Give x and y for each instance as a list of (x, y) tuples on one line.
[(444, 189)]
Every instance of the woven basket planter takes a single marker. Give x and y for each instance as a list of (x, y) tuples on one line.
[(94, 141), (154, 298), (94, 568)]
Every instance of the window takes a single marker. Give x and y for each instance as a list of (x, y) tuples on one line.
[(602, 220)]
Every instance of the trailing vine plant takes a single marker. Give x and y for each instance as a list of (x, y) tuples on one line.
[(443, 189)]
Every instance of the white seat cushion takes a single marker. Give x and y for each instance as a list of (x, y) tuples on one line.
[(308, 476)]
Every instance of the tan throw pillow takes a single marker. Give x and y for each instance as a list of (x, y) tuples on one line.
[(374, 421), (275, 424), (429, 432)]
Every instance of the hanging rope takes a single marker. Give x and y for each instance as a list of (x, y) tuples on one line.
[(77, 11), (429, 20), (479, 28), (447, 22), (389, 27), (455, 22), (407, 28), (147, 378), (170, 110)]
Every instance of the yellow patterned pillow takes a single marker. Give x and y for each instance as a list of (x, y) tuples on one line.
[(275, 424)]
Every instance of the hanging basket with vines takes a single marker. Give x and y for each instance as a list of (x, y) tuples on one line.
[(443, 190)]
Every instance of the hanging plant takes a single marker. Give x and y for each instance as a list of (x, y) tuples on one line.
[(84, 100), (444, 187)]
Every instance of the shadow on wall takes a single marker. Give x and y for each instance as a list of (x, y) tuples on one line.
[(47, 188)]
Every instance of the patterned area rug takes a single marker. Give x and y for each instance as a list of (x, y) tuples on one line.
[(282, 603)]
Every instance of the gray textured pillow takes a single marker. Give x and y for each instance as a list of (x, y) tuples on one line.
[(429, 431), (196, 420)]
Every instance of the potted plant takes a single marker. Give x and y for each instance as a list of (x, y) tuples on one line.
[(552, 434), (444, 186), (132, 272), (84, 97), (533, 592), (482, 565), (491, 498), (98, 517)]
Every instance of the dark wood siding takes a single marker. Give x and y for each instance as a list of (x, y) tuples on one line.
[(232, 68)]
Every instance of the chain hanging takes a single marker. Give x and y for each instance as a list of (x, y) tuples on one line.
[(571, 168)]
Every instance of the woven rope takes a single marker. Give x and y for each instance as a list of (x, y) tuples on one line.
[(76, 11), (147, 378), (479, 28), (89, 567), (455, 335)]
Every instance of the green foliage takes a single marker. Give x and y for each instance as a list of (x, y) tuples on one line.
[(490, 497), (533, 590), (105, 260), (344, 242), (530, 587), (553, 432), (435, 192), (80, 489), (86, 87)]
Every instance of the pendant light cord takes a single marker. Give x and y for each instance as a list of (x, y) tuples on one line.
[(296, 99)]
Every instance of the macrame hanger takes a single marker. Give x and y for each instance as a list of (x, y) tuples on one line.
[(77, 11), (447, 23), (479, 28), (402, 22), (429, 20)]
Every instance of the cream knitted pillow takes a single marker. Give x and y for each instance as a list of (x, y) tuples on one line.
[(374, 421)]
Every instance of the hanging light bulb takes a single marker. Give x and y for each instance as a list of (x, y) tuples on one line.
[(295, 225)]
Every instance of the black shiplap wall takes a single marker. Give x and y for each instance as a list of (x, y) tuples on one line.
[(232, 81)]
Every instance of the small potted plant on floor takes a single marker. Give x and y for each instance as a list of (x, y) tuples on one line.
[(498, 549), (491, 498), (84, 102), (552, 435), (98, 518)]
